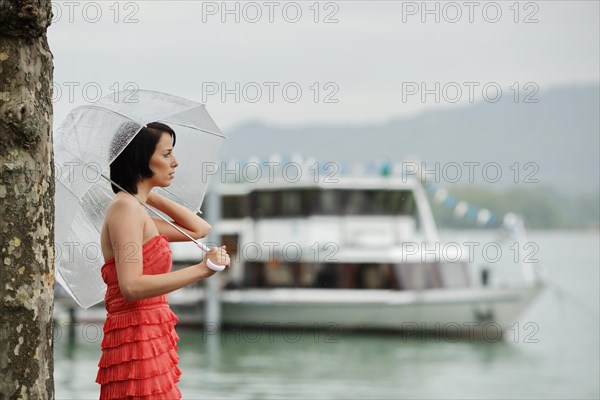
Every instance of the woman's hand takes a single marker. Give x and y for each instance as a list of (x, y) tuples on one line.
[(218, 256)]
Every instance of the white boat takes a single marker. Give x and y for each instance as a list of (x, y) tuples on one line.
[(356, 253)]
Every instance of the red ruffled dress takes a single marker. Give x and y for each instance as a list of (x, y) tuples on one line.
[(139, 348)]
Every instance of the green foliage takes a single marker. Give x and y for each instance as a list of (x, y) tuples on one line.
[(541, 207)]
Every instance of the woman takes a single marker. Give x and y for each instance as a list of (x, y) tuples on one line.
[(139, 358)]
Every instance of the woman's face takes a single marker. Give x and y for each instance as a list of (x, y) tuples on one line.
[(163, 162)]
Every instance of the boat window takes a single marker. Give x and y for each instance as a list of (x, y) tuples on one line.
[(324, 202), (378, 202), (265, 204), (356, 203), (291, 204), (400, 202), (234, 207), (281, 203), (418, 276), (304, 202)]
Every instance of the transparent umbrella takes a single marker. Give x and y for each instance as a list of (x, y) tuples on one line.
[(85, 144)]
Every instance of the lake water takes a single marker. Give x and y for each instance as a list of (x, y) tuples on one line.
[(553, 352)]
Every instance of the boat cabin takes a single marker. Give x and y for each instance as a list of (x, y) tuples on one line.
[(356, 233)]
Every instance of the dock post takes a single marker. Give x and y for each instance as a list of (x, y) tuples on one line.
[(71, 330), (212, 304)]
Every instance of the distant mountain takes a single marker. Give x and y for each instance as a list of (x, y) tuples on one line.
[(560, 134)]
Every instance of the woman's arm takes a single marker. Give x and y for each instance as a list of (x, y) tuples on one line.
[(125, 220), (189, 222)]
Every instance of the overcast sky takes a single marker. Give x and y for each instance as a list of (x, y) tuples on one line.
[(368, 63)]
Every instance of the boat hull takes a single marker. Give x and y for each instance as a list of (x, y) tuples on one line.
[(487, 313), (359, 309)]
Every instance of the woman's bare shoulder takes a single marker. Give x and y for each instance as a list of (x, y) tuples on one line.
[(124, 206), (123, 218)]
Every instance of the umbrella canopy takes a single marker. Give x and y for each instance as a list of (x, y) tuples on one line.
[(85, 144)]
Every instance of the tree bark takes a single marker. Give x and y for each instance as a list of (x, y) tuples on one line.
[(26, 201)]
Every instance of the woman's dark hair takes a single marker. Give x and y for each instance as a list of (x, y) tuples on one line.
[(133, 163)]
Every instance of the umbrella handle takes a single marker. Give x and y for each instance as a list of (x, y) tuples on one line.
[(209, 263), (213, 266)]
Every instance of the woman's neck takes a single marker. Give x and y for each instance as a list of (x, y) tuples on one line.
[(142, 191)]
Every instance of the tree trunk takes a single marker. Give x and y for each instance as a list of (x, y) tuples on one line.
[(26, 201)]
